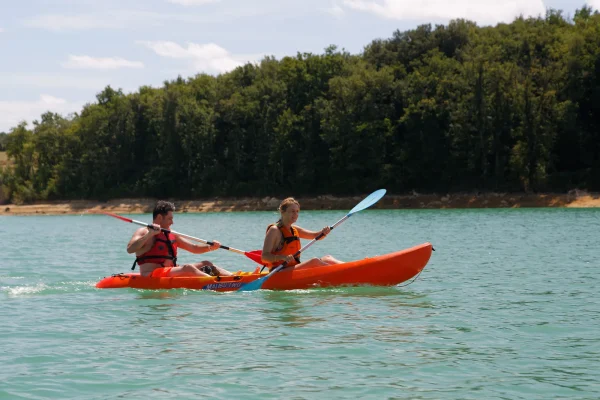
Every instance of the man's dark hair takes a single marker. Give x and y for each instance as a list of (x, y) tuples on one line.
[(162, 207)]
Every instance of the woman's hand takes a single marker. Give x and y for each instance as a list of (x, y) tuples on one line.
[(325, 231), (288, 259)]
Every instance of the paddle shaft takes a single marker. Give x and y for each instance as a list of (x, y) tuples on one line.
[(183, 235), (167, 231)]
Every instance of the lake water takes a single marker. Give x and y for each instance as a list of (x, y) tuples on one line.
[(507, 308)]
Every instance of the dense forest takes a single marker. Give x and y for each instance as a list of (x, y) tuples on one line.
[(446, 108)]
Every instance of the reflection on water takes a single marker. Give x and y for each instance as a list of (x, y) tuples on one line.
[(357, 291), (160, 294), (289, 308)]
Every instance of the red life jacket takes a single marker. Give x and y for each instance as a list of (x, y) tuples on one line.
[(163, 249)]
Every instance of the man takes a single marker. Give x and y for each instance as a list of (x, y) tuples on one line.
[(156, 252)]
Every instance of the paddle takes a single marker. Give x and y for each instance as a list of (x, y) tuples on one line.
[(366, 203), (253, 255)]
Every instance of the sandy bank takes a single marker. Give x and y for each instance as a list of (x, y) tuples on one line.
[(414, 201)]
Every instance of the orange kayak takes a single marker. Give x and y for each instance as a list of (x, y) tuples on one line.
[(385, 270)]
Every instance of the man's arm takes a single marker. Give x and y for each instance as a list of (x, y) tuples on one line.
[(140, 238), (196, 248)]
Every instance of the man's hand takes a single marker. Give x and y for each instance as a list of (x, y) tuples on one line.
[(155, 230), (216, 244)]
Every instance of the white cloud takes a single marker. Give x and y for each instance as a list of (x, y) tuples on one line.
[(1, 30), (205, 57), (335, 10), (13, 112), (192, 2), (87, 62), (481, 11), (594, 4)]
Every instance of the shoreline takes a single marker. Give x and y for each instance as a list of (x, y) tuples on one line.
[(573, 199)]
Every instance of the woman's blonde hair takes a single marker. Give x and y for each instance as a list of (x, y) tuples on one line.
[(286, 203)]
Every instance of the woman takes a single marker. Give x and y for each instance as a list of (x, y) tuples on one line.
[(282, 240)]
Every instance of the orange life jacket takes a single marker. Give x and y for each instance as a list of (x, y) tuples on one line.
[(163, 249), (289, 245)]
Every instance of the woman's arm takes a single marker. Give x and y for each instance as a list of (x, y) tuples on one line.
[(306, 234)]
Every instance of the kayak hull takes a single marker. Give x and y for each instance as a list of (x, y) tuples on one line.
[(385, 270), (136, 281)]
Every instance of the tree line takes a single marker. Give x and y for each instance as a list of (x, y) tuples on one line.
[(445, 108)]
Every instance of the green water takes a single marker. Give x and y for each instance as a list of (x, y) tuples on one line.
[(507, 308)]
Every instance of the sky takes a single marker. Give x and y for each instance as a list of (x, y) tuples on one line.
[(56, 55)]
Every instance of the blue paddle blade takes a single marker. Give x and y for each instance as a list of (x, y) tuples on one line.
[(254, 285), (368, 201)]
